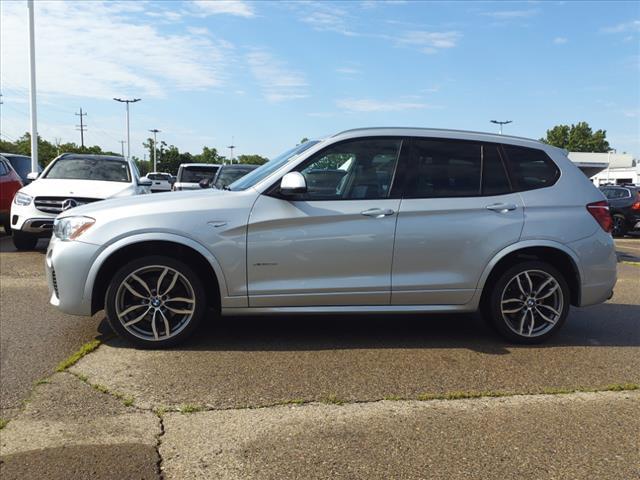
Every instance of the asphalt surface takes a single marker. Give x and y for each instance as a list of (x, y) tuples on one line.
[(68, 429), (34, 337)]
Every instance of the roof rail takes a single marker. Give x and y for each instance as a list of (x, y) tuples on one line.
[(434, 130)]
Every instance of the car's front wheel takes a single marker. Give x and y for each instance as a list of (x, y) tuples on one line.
[(23, 241), (529, 302), (155, 301)]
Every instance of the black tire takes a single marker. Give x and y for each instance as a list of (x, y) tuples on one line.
[(24, 241), (619, 226), (136, 335), (7, 227), (507, 323)]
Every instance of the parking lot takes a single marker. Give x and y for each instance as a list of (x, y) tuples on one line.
[(310, 397)]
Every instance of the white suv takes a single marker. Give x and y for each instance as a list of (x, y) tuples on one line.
[(70, 180), (160, 182)]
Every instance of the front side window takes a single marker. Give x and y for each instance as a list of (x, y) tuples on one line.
[(352, 170), (530, 168), (444, 168), (3, 169), (90, 169)]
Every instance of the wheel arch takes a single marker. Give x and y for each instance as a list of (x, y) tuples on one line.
[(117, 254), (558, 255)]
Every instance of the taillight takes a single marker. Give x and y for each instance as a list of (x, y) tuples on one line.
[(636, 205), (600, 211)]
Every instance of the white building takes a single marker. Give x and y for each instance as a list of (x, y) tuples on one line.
[(604, 168)]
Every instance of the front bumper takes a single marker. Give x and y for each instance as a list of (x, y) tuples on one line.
[(29, 219), (67, 266)]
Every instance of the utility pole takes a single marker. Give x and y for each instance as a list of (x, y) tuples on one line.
[(82, 127), (32, 89), (231, 147), (58, 141), (134, 100), (122, 142), (155, 143), (501, 123)]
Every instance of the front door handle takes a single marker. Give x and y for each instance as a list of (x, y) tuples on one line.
[(378, 212), (502, 207)]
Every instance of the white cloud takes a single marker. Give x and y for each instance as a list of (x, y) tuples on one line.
[(326, 17), (369, 105), (560, 40), (429, 42), (511, 14), (632, 26), (277, 81), (219, 7), (348, 71), (103, 49)]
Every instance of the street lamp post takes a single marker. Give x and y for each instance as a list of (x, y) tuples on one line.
[(134, 100), (32, 89), (154, 131), (501, 123)]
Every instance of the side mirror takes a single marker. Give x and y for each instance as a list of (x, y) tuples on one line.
[(293, 183), (32, 176), (204, 183), (144, 183)]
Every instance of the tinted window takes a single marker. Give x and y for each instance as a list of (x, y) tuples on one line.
[(195, 174), (22, 165), (226, 176), (3, 169), (494, 176), (444, 168), (530, 168), (352, 170), (90, 169)]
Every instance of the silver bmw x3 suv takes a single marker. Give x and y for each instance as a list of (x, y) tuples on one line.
[(368, 220)]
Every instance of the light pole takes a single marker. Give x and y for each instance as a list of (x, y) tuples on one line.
[(122, 142), (501, 123), (32, 89), (231, 147), (134, 100), (154, 131)]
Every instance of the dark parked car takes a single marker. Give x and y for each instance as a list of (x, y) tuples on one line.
[(21, 164), (226, 175), (624, 204)]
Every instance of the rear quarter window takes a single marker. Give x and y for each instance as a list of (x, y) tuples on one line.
[(530, 168)]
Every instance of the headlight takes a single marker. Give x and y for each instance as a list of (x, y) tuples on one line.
[(22, 199), (70, 228)]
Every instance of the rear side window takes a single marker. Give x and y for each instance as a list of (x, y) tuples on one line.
[(494, 176), (444, 168), (3, 169), (195, 174), (530, 168)]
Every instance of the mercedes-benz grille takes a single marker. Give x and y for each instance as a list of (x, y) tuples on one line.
[(60, 204)]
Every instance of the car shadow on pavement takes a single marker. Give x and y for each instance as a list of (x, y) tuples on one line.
[(602, 325)]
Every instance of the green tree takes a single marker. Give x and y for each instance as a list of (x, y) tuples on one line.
[(251, 159), (208, 155), (577, 138)]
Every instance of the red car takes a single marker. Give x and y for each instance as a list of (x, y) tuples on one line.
[(10, 183)]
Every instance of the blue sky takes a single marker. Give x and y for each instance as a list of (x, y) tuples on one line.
[(267, 74)]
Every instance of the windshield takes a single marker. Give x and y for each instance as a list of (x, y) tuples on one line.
[(90, 169), (195, 174), (271, 166), (226, 176)]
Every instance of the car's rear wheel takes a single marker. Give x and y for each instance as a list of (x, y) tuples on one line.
[(155, 301), (23, 241), (619, 226), (529, 302)]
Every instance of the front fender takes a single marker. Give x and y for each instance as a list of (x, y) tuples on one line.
[(109, 249)]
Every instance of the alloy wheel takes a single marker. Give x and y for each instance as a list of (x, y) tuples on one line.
[(155, 302), (531, 303)]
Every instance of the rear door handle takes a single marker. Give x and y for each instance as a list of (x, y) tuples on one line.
[(378, 212), (502, 207)]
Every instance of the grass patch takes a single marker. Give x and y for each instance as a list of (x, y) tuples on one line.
[(3, 423), (295, 401), (128, 401), (100, 388), (333, 400), (160, 411), (189, 409), (635, 264), (86, 349), (43, 381)]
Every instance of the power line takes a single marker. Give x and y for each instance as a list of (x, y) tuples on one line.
[(82, 127)]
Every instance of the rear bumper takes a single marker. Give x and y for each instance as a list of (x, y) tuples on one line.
[(598, 265)]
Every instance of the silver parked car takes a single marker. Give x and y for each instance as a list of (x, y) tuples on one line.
[(369, 220)]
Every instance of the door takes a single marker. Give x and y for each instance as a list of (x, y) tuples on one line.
[(457, 212), (332, 245)]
